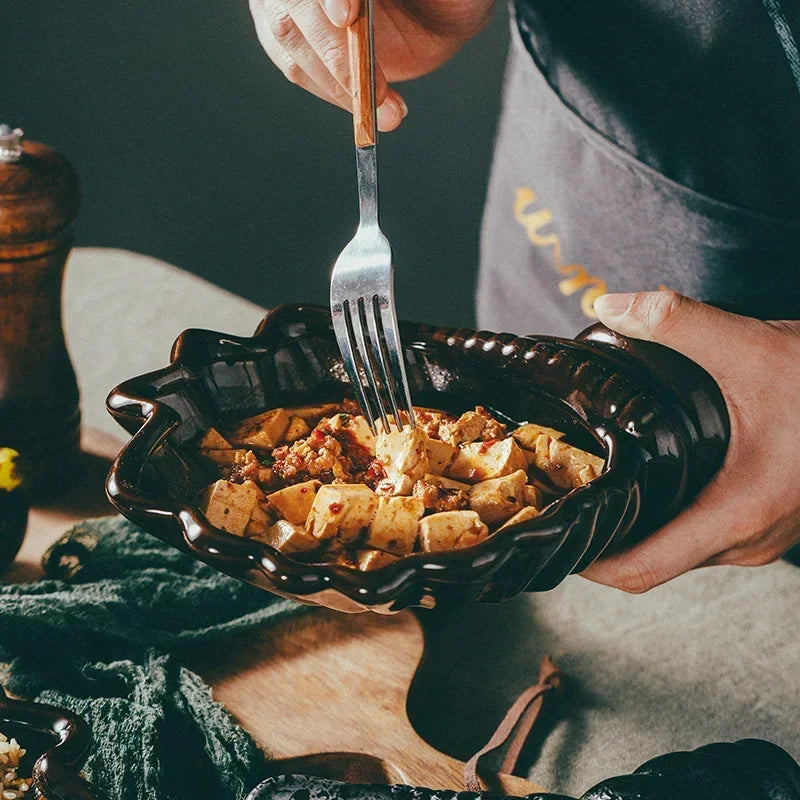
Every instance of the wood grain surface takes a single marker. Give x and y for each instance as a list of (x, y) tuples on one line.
[(324, 693), (339, 684), (358, 42), (39, 415)]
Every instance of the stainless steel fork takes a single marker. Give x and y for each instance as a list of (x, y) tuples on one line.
[(362, 282)]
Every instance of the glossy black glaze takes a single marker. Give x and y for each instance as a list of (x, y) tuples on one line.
[(57, 742), (750, 769), (659, 451), (304, 787)]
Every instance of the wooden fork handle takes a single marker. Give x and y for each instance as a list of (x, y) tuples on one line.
[(359, 42)]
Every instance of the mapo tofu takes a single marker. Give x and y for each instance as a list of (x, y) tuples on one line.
[(316, 483)]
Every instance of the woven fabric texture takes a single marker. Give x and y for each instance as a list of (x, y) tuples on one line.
[(104, 635)]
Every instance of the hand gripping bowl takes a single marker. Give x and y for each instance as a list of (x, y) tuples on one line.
[(657, 417)]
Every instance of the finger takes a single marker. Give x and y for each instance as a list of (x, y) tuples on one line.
[(703, 333), (705, 529), (321, 47), (309, 85), (331, 46), (284, 43), (391, 112), (313, 31), (341, 12), (295, 74)]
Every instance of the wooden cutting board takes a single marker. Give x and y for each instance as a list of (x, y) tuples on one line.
[(324, 693)]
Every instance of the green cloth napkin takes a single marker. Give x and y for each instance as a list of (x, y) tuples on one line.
[(103, 634)]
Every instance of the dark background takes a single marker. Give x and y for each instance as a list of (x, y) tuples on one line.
[(193, 148)]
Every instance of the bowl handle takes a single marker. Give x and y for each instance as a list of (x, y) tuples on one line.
[(697, 393)]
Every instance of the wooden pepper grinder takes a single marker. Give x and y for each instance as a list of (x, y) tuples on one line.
[(39, 402)]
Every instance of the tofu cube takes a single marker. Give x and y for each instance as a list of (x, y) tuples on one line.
[(259, 522), (298, 428), (260, 495), (546, 490), (481, 461), (262, 432), (467, 428), (225, 458), (429, 419), (287, 538), (343, 510), (396, 487), (532, 496), (526, 435), (445, 483), (541, 452), (294, 502), (394, 526), (403, 453), (440, 454), (498, 499), (214, 440), (357, 427), (367, 560), (564, 465), (451, 530), (523, 515), (228, 506), (530, 457), (215, 447), (361, 433)]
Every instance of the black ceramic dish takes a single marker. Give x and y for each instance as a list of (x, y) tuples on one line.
[(57, 744), (658, 418), (751, 769)]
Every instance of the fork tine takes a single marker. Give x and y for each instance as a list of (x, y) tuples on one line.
[(343, 327), (370, 391), (388, 322), (368, 359), (379, 346)]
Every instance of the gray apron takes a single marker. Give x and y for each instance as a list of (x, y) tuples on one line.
[(571, 215)]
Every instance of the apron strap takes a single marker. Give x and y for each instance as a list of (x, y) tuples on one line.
[(785, 36)]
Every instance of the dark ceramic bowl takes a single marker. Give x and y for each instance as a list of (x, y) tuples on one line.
[(750, 768), (659, 420), (57, 744)]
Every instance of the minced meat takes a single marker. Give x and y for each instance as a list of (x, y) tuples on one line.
[(248, 467), (429, 421), (317, 456), (438, 498), (493, 429)]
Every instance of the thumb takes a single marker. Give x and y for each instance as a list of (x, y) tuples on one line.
[(699, 331)]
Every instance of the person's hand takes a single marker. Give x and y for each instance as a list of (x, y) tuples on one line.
[(750, 512), (307, 41)]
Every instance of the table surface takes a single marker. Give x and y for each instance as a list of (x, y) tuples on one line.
[(711, 656)]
